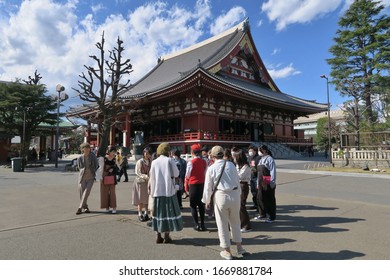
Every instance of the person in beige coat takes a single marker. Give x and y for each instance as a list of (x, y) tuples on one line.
[(87, 164)]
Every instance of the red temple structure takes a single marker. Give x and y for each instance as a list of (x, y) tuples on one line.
[(215, 92)]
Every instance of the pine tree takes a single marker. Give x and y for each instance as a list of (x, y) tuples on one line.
[(361, 55), (23, 107)]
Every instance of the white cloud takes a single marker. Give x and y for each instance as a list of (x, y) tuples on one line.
[(297, 11), (97, 8), (276, 51), (284, 72), (52, 38), (227, 20), (289, 12)]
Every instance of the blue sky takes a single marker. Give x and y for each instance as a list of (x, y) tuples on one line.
[(56, 37)]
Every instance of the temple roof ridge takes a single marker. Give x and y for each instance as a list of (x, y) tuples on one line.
[(241, 26)]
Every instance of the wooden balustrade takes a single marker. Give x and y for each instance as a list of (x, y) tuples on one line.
[(188, 136)]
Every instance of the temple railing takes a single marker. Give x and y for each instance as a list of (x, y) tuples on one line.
[(191, 136), (362, 158), (286, 139), (362, 155)]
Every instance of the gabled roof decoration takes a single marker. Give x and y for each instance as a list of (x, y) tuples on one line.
[(216, 56)]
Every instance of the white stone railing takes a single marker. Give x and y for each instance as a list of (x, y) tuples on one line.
[(368, 157)]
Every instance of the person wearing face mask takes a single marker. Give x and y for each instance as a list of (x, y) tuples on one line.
[(253, 160), (266, 183)]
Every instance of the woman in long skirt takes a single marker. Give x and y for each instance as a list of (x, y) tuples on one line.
[(166, 211)]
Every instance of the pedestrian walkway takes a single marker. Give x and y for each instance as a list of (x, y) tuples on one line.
[(317, 218)]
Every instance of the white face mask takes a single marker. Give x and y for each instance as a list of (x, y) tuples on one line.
[(251, 154), (260, 153)]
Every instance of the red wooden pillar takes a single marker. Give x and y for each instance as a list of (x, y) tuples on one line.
[(128, 131), (88, 133)]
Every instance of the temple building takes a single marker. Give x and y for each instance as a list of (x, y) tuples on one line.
[(215, 92)]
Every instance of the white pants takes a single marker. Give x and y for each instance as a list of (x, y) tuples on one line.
[(227, 212)]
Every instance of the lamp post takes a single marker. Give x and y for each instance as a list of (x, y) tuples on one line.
[(329, 127), (59, 89)]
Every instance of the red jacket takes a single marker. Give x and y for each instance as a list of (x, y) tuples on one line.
[(197, 170)]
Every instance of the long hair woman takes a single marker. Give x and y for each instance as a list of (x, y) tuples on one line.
[(140, 187), (266, 177), (244, 172)]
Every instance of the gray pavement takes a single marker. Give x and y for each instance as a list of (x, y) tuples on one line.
[(320, 216)]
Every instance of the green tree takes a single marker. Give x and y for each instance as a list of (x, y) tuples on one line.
[(361, 54), (322, 135), (22, 108), (104, 98), (76, 139)]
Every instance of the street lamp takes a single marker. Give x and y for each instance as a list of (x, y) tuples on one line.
[(23, 138), (59, 89), (329, 127)]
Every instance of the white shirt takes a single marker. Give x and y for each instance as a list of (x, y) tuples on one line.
[(244, 173), (161, 171), (228, 182)]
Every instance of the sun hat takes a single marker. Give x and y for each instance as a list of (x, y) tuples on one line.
[(217, 151)]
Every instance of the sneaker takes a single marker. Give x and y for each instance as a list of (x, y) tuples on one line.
[(145, 217), (141, 218), (185, 195), (242, 252), (86, 210), (202, 228), (113, 212), (244, 230), (226, 255), (269, 221), (78, 211), (259, 217)]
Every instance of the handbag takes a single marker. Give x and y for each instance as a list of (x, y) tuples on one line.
[(140, 180), (266, 180), (176, 186), (109, 180), (216, 185)]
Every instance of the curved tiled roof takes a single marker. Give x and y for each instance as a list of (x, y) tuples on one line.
[(269, 95), (177, 67)]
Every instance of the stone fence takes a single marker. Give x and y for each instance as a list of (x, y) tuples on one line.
[(362, 158)]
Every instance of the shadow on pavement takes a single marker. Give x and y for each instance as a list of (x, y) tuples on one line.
[(299, 255)]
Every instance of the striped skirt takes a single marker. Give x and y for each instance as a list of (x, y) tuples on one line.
[(166, 214)]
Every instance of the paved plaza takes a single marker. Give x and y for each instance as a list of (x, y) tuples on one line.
[(320, 216)]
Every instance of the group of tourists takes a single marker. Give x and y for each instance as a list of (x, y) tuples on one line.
[(217, 182)]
